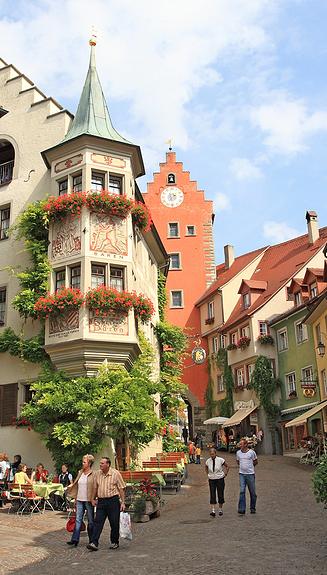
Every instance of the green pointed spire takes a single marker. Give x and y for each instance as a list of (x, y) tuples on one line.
[(92, 116)]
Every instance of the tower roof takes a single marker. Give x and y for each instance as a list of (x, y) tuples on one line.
[(92, 116)]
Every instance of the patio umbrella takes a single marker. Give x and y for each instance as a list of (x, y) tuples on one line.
[(215, 420)]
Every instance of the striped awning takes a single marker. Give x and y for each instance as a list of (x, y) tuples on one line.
[(301, 419)]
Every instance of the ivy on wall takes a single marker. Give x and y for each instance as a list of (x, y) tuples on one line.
[(226, 405), (162, 295), (27, 349), (265, 385)]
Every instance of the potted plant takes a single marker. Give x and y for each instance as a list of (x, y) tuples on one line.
[(231, 346), (243, 342), (145, 501), (266, 339)]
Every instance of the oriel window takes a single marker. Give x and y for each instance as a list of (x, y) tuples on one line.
[(63, 187), (116, 185), (75, 277), (60, 279), (117, 278), (98, 275), (97, 182), (77, 183)]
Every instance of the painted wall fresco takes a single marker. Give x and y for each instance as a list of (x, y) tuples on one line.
[(110, 325), (66, 238), (108, 234), (65, 323)]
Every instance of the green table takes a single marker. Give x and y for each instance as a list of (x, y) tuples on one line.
[(46, 489)]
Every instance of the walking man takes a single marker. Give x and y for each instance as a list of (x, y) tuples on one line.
[(185, 434), (246, 460), (217, 469), (109, 497)]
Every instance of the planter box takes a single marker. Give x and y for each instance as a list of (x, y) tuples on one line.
[(151, 511)]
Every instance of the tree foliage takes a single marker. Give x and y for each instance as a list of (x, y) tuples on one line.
[(162, 296), (27, 349), (319, 480), (77, 415), (226, 405), (173, 343), (265, 385)]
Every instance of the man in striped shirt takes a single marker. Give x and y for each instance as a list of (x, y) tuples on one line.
[(109, 497)]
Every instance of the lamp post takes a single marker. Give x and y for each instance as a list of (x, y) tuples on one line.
[(321, 349)]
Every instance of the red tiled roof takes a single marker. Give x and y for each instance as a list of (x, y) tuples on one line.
[(225, 275), (277, 266)]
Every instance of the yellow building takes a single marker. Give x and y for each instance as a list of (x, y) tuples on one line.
[(317, 318)]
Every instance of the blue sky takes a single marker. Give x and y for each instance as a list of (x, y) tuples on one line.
[(239, 85)]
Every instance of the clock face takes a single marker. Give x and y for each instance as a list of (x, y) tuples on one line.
[(172, 197)]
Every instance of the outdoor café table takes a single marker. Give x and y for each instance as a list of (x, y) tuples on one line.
[(46, 489)]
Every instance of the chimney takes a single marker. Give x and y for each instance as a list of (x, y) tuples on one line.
[(229, 256), (313, 231)]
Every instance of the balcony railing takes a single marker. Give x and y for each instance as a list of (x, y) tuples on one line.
[(6, 172)]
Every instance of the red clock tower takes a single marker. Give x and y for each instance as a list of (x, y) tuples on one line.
[(184, 221)]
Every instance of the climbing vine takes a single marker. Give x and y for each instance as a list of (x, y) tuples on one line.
[(162, 296), (209, 400), (27, 349), (265, 385), (226, 404)]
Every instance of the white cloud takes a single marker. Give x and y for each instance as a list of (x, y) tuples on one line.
[(244, 169), (288, 124), (221, 202), (277, 232), (153, 57)]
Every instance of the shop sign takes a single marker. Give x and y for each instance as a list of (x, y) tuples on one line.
[(199, 355), (243, 404), (254, 418)]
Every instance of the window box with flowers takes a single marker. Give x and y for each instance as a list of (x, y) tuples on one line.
[(209, 320), (21, 422), (57, 208), (243, 342), (58, 303), (266, 340), (292, 395), (231, 347)]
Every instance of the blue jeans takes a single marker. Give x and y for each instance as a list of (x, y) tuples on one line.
[(247, 480), (81, 507)]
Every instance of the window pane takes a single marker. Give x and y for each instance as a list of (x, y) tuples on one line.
[(175, 261), (3, 293), (173, 230), (176, 298), (63, 187), (60, 279), (75, 277), (190, 230), (115, 185), (97, 182), (97, 276), (263, 328), (4, 223), (117, 278), (77, 183)]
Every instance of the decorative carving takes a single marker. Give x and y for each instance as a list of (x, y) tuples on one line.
[(69, 163), (108, 234), (66, 238), (65, 323), (108, 324), (108, 161)]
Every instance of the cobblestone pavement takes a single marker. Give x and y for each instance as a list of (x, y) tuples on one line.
[(286, 536)]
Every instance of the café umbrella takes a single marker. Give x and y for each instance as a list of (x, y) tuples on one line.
[(215, 420)]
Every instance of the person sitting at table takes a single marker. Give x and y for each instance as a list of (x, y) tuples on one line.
[(21, 476), (40, 475), (14, 466), (66, 479)]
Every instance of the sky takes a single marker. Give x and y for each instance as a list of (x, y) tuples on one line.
[(238, 85)]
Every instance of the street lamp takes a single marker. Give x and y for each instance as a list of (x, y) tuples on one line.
[(321, 349)]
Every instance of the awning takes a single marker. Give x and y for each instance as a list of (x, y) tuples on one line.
[(301, 419), (238, 416), (215, 420)]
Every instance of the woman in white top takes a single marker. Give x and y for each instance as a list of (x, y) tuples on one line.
[(82, 491), (217, 469)]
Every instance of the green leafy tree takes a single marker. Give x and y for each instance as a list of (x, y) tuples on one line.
[(319, 480), (77, 415)]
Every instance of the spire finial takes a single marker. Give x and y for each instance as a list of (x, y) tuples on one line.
[(170, 143), (93, 39)]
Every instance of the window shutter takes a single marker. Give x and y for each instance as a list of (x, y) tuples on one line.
[(8, 403)]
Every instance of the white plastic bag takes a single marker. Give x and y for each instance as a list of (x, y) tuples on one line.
[(125, 527)]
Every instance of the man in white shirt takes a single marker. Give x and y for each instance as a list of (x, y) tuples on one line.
[(217, 469), (246, 460)]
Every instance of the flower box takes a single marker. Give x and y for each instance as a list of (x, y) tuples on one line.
[(57, 208), (209, 320), (266, 340), (231, 347), (58, 303), (243, 342)]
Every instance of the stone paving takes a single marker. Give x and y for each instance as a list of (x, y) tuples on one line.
[(286, 536)]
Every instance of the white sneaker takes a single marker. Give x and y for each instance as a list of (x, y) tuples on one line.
[(220, 512)]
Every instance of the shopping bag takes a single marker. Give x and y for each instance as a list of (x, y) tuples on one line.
[(70, 525), (125, 527)]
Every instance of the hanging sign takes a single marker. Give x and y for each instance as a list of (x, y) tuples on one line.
[(199, 355)]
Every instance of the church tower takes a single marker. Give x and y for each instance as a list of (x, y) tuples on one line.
[(184, 219)]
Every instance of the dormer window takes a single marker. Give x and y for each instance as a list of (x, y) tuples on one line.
[(297, 298), (171, 179), (7, 160), (246, 300), (313, 290)]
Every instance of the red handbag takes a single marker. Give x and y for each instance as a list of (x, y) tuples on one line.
[(70, 525)]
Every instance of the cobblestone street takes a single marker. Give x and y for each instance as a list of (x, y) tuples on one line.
[(286, 536)]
